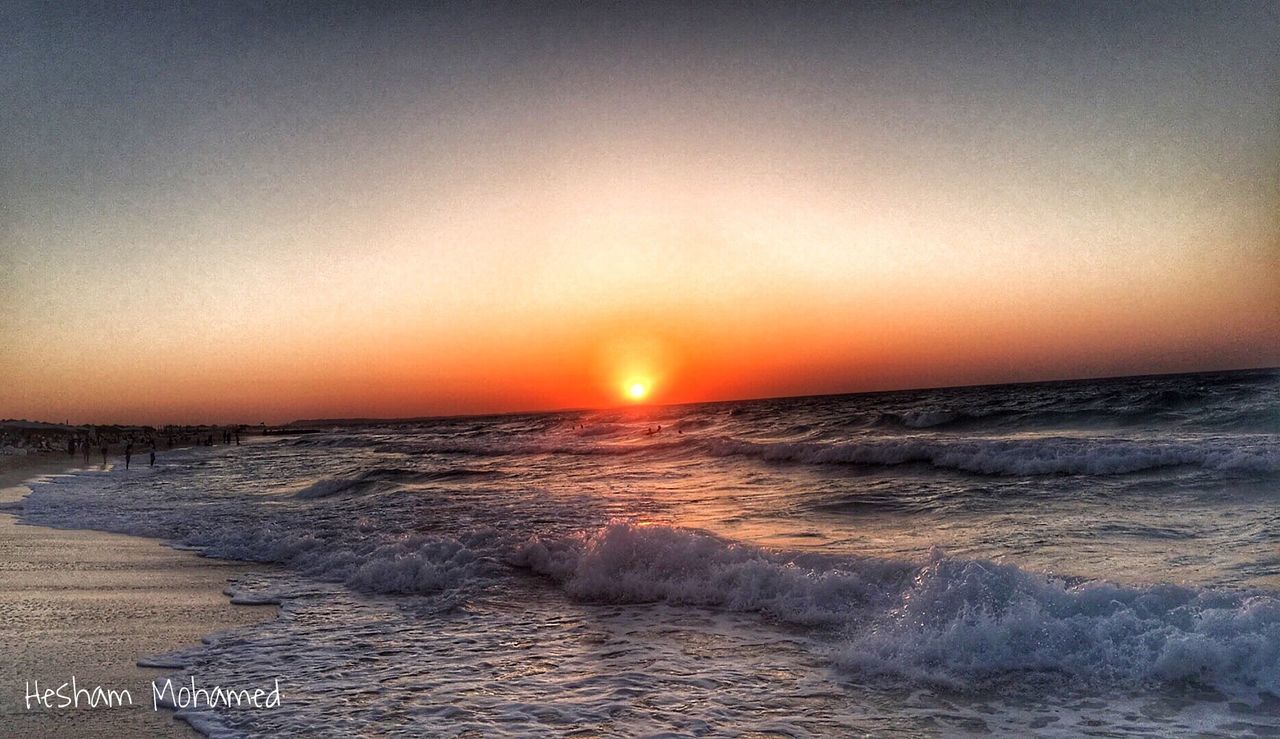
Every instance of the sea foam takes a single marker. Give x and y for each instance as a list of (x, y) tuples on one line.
[(962, 623)]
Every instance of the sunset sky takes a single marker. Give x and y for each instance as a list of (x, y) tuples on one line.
[(224, 212)]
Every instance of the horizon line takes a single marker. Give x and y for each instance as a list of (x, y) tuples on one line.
[(544, 411), (766, 398)]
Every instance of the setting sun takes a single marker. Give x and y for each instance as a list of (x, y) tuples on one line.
[(637, 390)]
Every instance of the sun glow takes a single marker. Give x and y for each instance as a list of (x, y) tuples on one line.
[(637, 390)]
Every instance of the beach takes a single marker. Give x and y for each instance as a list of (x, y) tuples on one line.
[(90, 605)]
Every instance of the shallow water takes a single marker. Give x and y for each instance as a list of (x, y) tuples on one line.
[(1087, 557)]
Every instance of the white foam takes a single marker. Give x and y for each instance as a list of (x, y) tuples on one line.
[(956, 622)]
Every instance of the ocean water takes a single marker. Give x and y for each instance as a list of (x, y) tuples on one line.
[(1094, 557)]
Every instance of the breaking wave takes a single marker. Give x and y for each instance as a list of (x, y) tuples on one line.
[(965, 624)]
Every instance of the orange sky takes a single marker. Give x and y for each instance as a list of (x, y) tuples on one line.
[(433, 215)]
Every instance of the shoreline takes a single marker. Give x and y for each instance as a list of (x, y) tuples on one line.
[(88, 604)]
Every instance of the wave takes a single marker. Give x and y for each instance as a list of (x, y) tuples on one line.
[(1242, 402), (968, 624), (921, 419), (358, 484), (603, 429), (331, 439), (410, 564), (382, 479), (640, 444), (988, 455), (407, 564), (1257, 420), (1039, 456), (964, 624), (629, 563)]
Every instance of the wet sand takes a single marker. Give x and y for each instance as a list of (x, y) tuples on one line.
[(90, 604)]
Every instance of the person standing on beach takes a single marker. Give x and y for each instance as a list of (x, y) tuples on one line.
[(152, 461), (84, 447), (104, 454), (128, 454)]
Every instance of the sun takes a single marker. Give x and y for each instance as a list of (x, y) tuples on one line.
[(637, 390)]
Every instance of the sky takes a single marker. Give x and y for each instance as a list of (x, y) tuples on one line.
[(244, 212)]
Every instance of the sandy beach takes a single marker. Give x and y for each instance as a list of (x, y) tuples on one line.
[(89, 605)]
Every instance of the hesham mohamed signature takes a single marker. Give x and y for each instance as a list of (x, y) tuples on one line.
[(164, 694)]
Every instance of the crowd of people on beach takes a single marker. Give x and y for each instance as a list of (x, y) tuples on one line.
[(92, 442)]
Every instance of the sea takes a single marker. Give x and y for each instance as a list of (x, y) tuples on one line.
[(1097, 557)]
